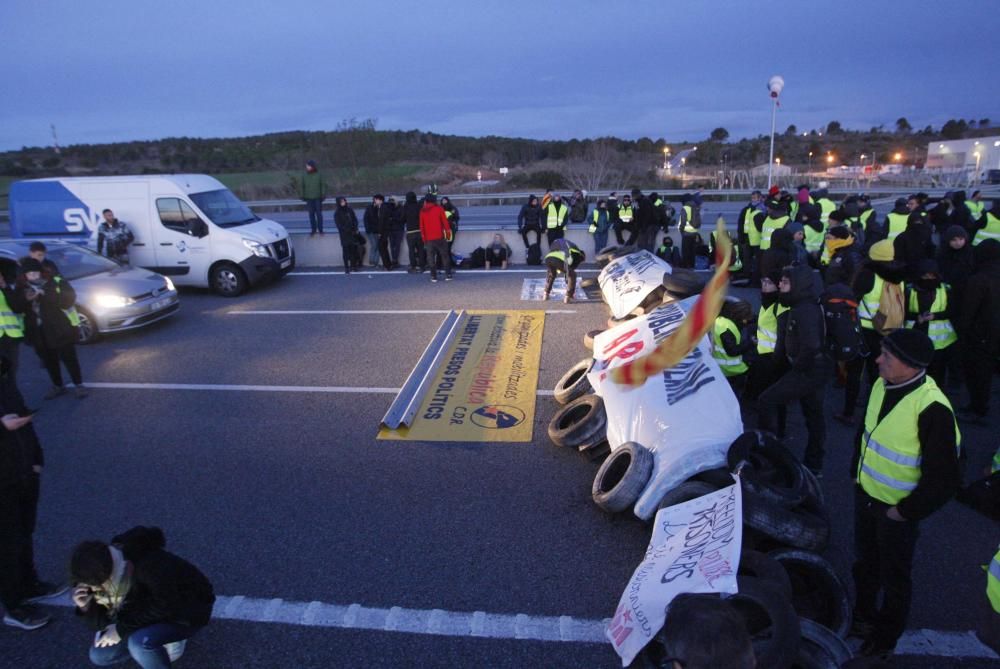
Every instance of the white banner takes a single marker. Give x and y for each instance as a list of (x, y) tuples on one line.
[(687, 415), (695, 548), (628, 280), (534, 290)]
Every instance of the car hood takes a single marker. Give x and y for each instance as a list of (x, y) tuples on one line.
[(126, 282), (264, 231)]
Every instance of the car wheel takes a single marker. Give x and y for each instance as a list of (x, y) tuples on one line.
[(87, 330), (228, 280), (622, 477)]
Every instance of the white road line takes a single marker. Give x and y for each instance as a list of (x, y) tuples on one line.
[(264, 389), (520, 626), (362, 312)]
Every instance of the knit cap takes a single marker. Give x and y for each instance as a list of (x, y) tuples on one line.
[(911, 347), (882, 251)]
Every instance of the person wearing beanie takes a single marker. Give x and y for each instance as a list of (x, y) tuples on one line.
[(414, 244), (844, 257), (895, 220), (929, 309), (987, 224), (803, 346), (749, 236), (906, 467), (915, 243), (800, 256), (979, 328), (529, 219), (312, 191)]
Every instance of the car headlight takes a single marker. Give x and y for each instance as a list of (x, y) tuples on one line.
[(170, 284), (256, 248), (112, 301)]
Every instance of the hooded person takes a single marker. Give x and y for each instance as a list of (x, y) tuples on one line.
[(915, 243), (798, 233), (960, 214), (979, 328), (347, 226), (930, 309), (414, 245), (845, 257), (529, 219), (804, 347), (780, 254), (956, 261)]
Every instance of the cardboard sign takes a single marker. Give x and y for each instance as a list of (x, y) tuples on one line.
[(695, 548), (485, 387), (628, 280), (534, 290)]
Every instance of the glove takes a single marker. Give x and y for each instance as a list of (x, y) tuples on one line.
[(593, 228)]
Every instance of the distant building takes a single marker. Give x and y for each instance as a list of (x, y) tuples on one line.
[(982, 155), (777, 170)]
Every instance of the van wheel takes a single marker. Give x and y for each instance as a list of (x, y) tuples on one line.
[(88, 327), (228, 280)]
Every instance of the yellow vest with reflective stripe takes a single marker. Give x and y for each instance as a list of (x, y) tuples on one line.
[(991, 231), (749, 229), (11, 324), (895, 224), (557, 215), (814, 238), (729, 366), (71, 314), (993, 582), (767, 327), (975, 208), (625, 213), (889, 466), (940, 330), (688, 217), (826, 207), (865, 216), (869, 304), (768, 228)]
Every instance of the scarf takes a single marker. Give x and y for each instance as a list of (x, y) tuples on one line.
[(833, 244)]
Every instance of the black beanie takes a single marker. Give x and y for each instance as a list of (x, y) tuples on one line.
[(839, 232), (30, 265), (912, 347), (955, 231)]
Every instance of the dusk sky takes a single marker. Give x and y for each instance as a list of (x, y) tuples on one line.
[(119, 70)]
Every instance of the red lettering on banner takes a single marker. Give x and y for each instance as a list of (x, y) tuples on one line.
[(622, 347)]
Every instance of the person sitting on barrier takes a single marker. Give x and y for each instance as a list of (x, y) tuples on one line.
[(497, 253), (564, 256), (705, 632), (529, 219)]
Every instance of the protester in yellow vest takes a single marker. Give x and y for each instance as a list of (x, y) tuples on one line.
[(868, 286), (895, 220), (989, 631), (928, 309), (554, 216), (563, 257), (765, 368), (906, 468), (988, 224), (12, 307), (749, 236), (775, 218), (975, 205), (729, 342), (52, 323)]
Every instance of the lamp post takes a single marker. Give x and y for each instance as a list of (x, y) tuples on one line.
[(774, 86), (666, 151), (810, 168)]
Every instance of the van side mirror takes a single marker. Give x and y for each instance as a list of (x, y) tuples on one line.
[(198, 228)]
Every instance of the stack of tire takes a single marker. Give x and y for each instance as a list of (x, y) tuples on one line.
[(581, 422)]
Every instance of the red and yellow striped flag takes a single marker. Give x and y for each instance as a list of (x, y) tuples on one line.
[(675, 348)]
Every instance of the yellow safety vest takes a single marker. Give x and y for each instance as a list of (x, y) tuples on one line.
[(688, 217), (737, 262), (993, 582), (729, 366), (865, 215), (71, 314), (768, 228), (749, 229), (557, 215), (991, 231), (889, 466), (940, 330), (895, 224), (625, 213), (869, 304), (826, 207), (975, 208), (767, 327), (11, 324), (593, 220), (814, 238)]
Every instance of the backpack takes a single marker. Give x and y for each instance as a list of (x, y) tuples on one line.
[(534, 254), (477, 258), (891, 311), (843, 328)]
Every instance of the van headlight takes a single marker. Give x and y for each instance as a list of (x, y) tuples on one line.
[(256, 248), (112, 301)]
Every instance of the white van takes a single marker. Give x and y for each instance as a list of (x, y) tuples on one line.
[(187, 226)]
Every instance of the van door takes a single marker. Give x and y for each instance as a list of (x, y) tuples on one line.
[(182, 240)]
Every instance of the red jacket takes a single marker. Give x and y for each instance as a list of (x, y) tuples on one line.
[(433, 223)]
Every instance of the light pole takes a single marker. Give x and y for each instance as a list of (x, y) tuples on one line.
[(810, 168), (666, 151), (774, 86)]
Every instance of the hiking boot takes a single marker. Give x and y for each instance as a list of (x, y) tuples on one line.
[(54, 392), (26, 618), (44, 590)]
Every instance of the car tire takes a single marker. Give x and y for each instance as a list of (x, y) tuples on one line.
[(681, 282), (228, 280), (87, 332), (622, 477), (804, 527), (588, 339), (653, 300), (818, 592), (769, 469), (821, 648), (770, 620), (764, 567), (685, 492), (582, 422), (574, 382)]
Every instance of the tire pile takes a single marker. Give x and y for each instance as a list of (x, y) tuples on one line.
[(795, 605)]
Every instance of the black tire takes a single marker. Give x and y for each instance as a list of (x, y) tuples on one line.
[(818, 593), (804, 527), (685, 492), (588, 339), (681, 282), (228, 280), (764, 567), (770, 620), (653, 300), (622, 477), (821, 648), (599, 451), (769, 470), (579, 423), (87, 333), (719, 477), (574, 382)]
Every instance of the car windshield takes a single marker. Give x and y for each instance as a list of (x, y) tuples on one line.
[(75, 262), (223, 208)]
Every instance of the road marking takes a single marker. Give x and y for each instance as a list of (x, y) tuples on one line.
[(263, 389), (519, 626), (380, 272), (364, 312)]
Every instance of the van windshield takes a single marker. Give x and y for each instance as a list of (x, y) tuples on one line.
[(223, 208)]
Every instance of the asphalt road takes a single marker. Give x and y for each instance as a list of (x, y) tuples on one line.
[(289, 495)]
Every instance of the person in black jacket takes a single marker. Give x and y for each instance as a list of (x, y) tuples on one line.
[(14, 303), (914, 244), (414, 244), (396, 230), (979, 329), (347, 225), (956, 260), (373, 219), (145, 601), (803, 345), (51, 324), (529, 219), (646, 221), (780, 255), (845, 258), (21, 461), (451, 211)]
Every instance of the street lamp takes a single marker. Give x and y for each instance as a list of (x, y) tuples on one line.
[(777, 161), (897, 156), (774, 86), (810, 169), (665, 152)]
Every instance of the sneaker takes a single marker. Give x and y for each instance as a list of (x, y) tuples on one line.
[(44, 590), (54, 392), (567, 299), (448, 277), (81, 391), (26, 618), (175, 649), (434, 279)]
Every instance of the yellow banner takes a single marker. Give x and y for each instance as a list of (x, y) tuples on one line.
[(485, 387)]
